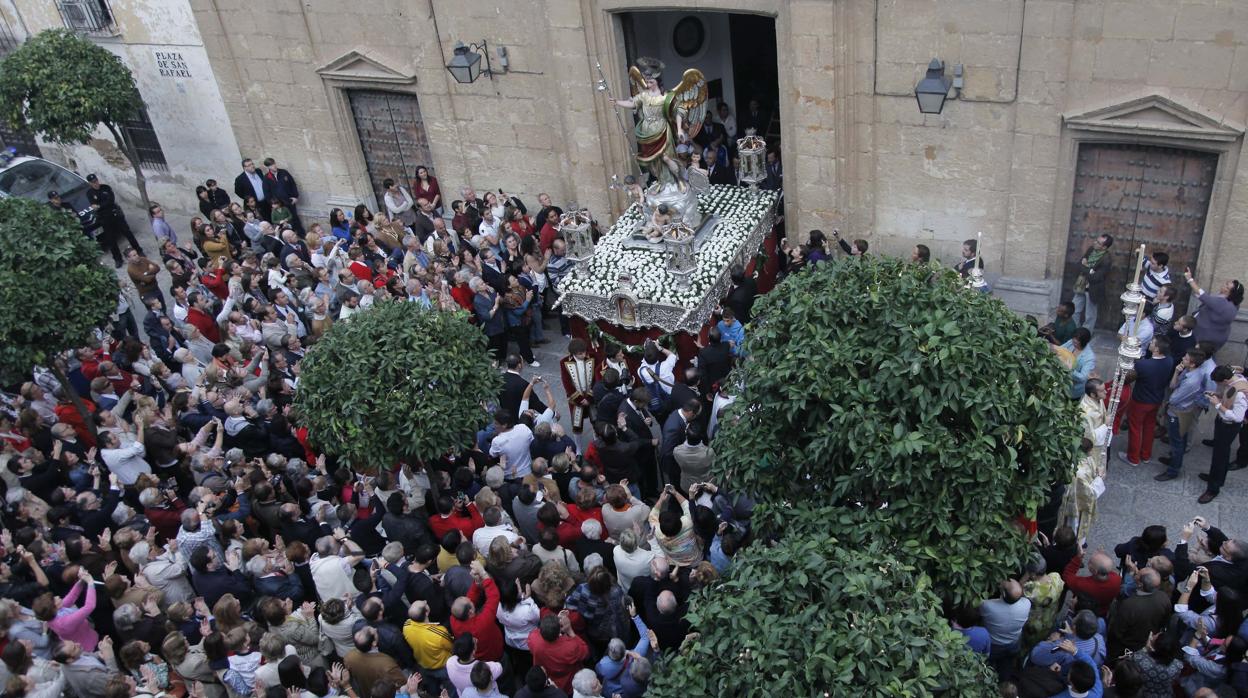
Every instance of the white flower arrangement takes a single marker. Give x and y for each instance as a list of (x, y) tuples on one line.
[(739, 212)]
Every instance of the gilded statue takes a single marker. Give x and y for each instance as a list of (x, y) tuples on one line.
[(664, 119)]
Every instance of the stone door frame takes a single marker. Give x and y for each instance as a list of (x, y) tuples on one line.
[(605, 31), (359, 70), (1155, 120)]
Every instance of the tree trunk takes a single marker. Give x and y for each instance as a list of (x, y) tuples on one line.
[(87, 418), (132, 154)]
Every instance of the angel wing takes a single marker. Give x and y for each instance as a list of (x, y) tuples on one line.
[(636, 83), (690, 99)]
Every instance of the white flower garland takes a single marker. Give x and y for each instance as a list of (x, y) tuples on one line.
[(739, 211)]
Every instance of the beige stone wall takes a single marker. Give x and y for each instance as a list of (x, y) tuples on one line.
[(858, 155)]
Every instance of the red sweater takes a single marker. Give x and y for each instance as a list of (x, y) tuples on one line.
[(1102, 591), (166, 521), (561, 659), (484, 626), (206, 324), (467, 523)]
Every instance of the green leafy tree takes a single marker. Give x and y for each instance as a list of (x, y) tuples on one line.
[(818, 613), (396, 383), (53, 291), (880, 384), (62, 86)]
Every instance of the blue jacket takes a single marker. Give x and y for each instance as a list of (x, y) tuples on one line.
[(1097, 690), (1085, 362), (482, 305), (734, 333)]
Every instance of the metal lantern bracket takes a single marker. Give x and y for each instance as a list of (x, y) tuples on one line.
[(462, 60)]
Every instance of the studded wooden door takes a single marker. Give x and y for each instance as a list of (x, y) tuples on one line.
[(1138, 194), (392, 136)]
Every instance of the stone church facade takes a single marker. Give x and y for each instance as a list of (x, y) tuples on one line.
[(1075, 117)]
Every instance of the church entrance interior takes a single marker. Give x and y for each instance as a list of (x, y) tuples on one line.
[(736, 52)]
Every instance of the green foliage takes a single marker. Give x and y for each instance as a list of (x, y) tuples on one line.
[(62, 86), (878, 383), (53, 290), (396, 382), (819, 613)]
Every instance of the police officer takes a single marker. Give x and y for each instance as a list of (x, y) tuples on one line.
[(112, 220), (54, 201)]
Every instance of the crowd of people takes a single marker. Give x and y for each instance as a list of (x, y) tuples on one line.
[(1151, 620), (170, 530)]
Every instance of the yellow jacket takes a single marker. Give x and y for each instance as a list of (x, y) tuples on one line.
[(430, 642)]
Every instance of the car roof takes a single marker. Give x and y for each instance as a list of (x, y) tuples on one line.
[(30, 158)]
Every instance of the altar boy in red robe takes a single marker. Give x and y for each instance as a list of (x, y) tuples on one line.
[(579, 371)]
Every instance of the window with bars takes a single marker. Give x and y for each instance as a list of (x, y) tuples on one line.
[(87, 16), (143, 136)]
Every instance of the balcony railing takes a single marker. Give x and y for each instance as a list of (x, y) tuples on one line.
[(93, 17)]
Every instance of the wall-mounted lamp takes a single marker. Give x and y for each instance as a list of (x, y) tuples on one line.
[(933, 90), (466, 67)]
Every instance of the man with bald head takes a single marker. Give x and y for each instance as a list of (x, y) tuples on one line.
[(430, 642), (1004, 617), (368, 666), (1138, 615), (1102, 584), (481, 623)]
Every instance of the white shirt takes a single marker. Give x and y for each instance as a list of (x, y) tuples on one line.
[(519, 622), (547, 417), (398, 204), (1145, 333), (482, 537), (514, 443), (665, 370), (257, 184), (490, 229), (332, 576), (1234, 415), (127, 463), (629, 566)]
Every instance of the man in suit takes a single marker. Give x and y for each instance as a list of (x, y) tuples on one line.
[(293, 245), (754, 118), (607, 396), (636, 420), (674, 435), (775, 173), (424, 225), (741, 297), (250, 182), (714, 360), (285, 189), (368, 666), (514, 385), (1228, 568), (86, 674)]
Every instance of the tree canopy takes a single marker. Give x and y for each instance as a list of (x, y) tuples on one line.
[(875, 383), (822, 613), (63, 86), (53, 291), (395, 383)]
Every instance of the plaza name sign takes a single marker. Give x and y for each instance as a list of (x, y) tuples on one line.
[(171, 64)]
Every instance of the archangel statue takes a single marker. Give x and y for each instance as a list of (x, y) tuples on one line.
[(664, 118)]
